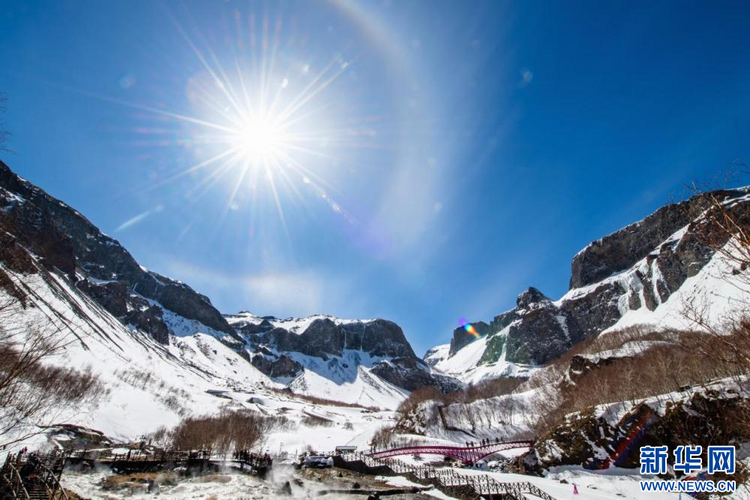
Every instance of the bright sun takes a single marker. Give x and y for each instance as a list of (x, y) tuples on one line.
[(256, 117), (260, 140)]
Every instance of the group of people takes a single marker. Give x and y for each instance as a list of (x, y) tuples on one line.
[(202, 454), (483, 442), (250, 456)]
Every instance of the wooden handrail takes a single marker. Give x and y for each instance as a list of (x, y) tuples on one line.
[(481, 484), (45, 476), (10, 485), (20, 488), (56, 482)]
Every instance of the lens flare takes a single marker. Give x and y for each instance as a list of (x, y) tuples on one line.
[(469, 328)]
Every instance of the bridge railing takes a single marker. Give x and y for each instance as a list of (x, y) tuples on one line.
[(12, 480), (24, 475), (469, 454)]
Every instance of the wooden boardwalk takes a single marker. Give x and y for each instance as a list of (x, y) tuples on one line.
[(32, 477), (482, 485), (136, 461)]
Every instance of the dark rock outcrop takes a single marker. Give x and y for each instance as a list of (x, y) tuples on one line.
[(462, 338), (542, 333), (412, 373), (150, 321), (379, 337), (592, 312), (276, 367), (324, 337), (341, 345), (66, 241), (581, 365), (254, 329), (589, 440), (656, 258), (321, 338), (622, 249)]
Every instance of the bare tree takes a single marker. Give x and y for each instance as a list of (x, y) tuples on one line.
[(724, 227), (230, 431), (33, 393)]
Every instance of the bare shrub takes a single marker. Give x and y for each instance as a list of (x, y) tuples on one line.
[(231, 430), (661, 371), (725, 227), (382, 438), (161, 438), (34, 394), (417, 397), (484, 389), (388, 437), (170, 396)]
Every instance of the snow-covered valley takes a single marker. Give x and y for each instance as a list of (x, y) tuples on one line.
[(161, 354)]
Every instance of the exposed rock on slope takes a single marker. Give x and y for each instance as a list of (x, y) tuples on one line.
[(40, 234), (323, 337), (461, 339), (611, 435), (622, 249), (284, 348), (639, 266), (67, 241), (411, 373)]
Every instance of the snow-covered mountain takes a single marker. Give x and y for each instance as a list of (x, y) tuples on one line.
[(335, 349), (646, 273), (161, 349)]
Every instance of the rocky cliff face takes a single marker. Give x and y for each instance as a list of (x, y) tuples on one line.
[(40, 234), (324, 337), (411, 373), (622, 249), (284, 348), (96, 263), (461, 338), (639, 266)]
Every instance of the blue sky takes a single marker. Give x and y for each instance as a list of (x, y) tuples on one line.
[(443, 157)]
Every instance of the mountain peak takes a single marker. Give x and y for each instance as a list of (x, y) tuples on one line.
[(636, 269), (530, 297)]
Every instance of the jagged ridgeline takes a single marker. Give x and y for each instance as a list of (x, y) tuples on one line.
[(624, 278), (368, 362)]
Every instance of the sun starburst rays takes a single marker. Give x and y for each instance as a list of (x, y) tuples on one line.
[(261, 113)]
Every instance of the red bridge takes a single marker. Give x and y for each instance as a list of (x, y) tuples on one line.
[(467, 454)]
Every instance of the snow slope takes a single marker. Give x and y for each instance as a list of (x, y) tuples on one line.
[(149, 385), (364, 389), (718, 291)]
